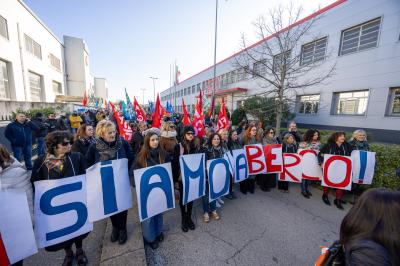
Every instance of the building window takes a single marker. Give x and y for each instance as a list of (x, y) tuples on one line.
[(394, 102), (280, 61), (55, 62), (198, 87), (360, 37), (35, 85), (33, 47), (3, 27), (308, 104), (57, 89), (351, 103), (314, 51), (193, 89), (4, 81), (259, 68), (232, 77)]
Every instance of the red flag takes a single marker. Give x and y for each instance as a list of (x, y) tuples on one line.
[(3, 254), (210, 112), (201, 100), (125, 130), (140, 114), (186, 120), (157, 114), (223, 117), (198, 121), (112, 106), (84, 99)]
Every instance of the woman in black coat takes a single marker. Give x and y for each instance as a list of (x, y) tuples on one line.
[(59, 162), (109, 146), (189, 145), (289, 145), (337, 145), (152, 154), (83, 139)]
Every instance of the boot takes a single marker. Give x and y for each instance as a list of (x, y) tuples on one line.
[(69, 258), (243, 188), (184, 223), (189, 220), (123, 236), (338, 204), (81, 258), (251, 186), (325, 199), (114, 234)]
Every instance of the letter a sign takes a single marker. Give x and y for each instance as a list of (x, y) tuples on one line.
[(154, 190)]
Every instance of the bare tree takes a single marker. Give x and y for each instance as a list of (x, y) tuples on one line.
[(277, 62)]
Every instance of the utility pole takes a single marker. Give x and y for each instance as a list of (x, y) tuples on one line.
[(154, 87), (143, 90), (215, 56)]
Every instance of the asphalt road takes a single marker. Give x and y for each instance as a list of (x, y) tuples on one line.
[(266, 228)]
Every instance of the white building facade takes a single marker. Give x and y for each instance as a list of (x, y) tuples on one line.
[(35, 66), (362, 37)]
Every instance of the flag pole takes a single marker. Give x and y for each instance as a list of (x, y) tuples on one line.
[(215, 56), (175, 86)]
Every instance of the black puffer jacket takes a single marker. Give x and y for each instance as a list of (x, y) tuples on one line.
[(367, 253), (74, 165), (332, 148)]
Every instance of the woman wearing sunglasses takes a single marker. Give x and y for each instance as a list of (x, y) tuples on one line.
[(59, 162), (268, 181), (189, 145)]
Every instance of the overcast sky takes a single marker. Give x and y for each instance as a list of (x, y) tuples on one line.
[(131, 40)]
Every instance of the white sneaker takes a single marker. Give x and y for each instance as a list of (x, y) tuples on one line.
[(217, 204), (220, 201)]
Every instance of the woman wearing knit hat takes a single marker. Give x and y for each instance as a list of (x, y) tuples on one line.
[(189, 145)]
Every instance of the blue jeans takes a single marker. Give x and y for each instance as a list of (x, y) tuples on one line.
[(208, 206), (40, 146), (25, 152), (152, 227), (304, 185)]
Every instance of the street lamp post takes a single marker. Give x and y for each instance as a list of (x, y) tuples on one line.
[(215, 55), (154, 87), (143, 96)]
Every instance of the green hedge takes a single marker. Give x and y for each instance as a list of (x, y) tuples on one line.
[(30, 113)]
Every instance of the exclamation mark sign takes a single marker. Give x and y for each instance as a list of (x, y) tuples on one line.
[(363, 166)]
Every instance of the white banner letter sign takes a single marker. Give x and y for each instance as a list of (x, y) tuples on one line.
[(363, 166), (240, 165), (193, 171), (154, 190), (255, 159), (60, 210), (17, 240), (337, 171), (218, 178), (108, 189), (291, 168), (309, 165)]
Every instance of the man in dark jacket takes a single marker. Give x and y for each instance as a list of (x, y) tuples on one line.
[(52, 123), (41, 133), (292, 129), (138, 138), (19, 133)]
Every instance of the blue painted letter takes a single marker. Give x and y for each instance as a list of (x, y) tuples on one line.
[(108, 187), (188, 174), (225, 189), (146, 187), (79, 207)]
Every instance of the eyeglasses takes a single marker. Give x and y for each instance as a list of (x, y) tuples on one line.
[(171, 126), (271, 132), (66, 143), (189, 133)]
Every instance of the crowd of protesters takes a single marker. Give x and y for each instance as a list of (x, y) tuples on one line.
[(68, 145)]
